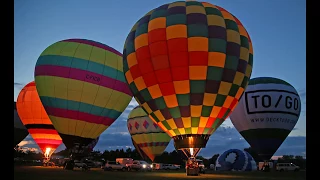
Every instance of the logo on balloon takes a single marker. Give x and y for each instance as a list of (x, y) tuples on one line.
[(94, 78), (272, 101)]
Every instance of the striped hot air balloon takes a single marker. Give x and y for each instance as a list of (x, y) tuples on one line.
[(146, 134), (266, 114), (139, 150), (36, 120), (82, 87), (187, 65)]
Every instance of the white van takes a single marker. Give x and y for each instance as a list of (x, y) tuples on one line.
[(287, 167)]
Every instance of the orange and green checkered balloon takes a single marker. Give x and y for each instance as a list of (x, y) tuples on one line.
[(187, 64)]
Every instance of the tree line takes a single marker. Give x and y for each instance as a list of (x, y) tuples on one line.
[(174, 157)]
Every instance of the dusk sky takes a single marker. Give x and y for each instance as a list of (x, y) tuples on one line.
[(277, 30)]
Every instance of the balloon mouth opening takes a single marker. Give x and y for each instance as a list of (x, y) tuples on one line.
[(190, 144), (47, 152)]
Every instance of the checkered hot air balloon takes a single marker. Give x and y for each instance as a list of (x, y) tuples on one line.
[(36, 120), (266, 114), (146, 134), (187, 64), (82, 88)]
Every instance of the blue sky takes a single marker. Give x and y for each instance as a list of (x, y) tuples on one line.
[(277, 30)]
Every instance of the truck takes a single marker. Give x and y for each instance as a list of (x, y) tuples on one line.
[(157, 166), (113, 165), (139, 165), (124, 161)]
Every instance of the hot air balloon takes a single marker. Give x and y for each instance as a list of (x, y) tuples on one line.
[(266, 114), (146, 133), (19, 130), (36, 120), (82, 87), (93, 144), (187, 64), (235, 160), (139, 150), (84, 151)]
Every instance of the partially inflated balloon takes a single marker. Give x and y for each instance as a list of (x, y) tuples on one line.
[(36, 120), (266, 114), (82, 87), (187, 65), (19, 130), (146, 133)]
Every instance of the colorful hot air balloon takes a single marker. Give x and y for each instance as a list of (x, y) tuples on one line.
[(36, 120), (266, 114), (139, 150), (82, 88), (146, 133), (187, 65), (19, 130)]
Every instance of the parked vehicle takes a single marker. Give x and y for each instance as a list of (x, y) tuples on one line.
[(287, 167), (139, 165), (170, 167), (157, 166), (202, 168), (79, 164), (124, 161), (113, 165)]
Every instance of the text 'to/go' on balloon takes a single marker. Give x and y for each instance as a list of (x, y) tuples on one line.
[(266, 114)]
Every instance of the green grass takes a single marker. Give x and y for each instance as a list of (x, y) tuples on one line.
[(55, 173)]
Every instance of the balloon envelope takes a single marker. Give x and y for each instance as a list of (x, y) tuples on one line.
[(187, 64), (36, 120), (82, 88), (19, 130), (236, 160), (146, 134), (266, 114), (139, 150)]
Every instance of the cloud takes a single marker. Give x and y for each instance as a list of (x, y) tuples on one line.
[(18, 85), (225, 137), (302, 93)]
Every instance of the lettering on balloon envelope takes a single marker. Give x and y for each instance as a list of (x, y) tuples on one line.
[(90, 78), (272, 106), (272, 101)]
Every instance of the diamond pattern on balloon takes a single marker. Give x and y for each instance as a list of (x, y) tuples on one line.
[(136, 125), (155, 125), (130, 127), (145, 124)]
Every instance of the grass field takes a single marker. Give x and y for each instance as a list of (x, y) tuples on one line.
[(55, 173)]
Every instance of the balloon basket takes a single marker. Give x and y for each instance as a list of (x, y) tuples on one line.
[(192, 171)]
